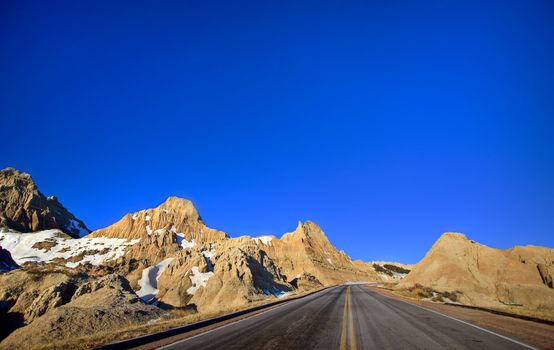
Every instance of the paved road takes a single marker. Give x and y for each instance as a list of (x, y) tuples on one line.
[(347, 317)]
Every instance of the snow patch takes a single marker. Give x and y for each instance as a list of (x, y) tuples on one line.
[(147, 218), (198, 279), (148, 230), (264, 239), (395, 275), (208, 254), (440, 299), (399, 275), (95, 250), (276, 292), (149, 281), (284, 294), (450, 301), (134, 217), (165, 211), (181, 241), (330, 262)]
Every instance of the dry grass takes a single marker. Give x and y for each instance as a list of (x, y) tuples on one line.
[(387, 285), (395, 268), (540, 313), (422, 292), (419, 292), (37, 272)]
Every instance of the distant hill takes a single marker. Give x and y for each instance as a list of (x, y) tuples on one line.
[(520, 277)]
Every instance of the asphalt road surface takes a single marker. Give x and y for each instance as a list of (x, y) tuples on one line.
[(348, 317)]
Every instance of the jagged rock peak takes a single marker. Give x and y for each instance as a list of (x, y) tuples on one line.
[(453, 235), (177, 215), (312, 227), (182, 205), (306, 230), (14, 176), (24, 208)]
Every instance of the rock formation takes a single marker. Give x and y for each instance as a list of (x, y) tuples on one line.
[(6, 261), (307, 250), (55, 305), (209, 270), (226, 274), (168, 257), (24, 209), (176, 214), (479, 275), (306, 281)]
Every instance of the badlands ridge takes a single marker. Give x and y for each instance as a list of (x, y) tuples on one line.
[(61, 280)]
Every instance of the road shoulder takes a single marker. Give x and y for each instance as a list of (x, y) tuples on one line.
[(533, 333)]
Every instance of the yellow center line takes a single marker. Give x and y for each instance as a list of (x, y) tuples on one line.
[(347, 335), (344, 319), (351, 324)]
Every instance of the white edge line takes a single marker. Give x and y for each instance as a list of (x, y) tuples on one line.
[(237, 321), (470, 324)]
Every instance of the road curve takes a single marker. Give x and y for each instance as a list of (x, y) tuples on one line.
[(347, 317)]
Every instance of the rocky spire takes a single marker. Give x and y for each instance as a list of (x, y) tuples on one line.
[(177, 215), (24, 208)]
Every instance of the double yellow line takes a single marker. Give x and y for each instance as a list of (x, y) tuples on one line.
[(347, 338)]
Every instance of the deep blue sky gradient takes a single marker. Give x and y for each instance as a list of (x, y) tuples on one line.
[(386, 122)]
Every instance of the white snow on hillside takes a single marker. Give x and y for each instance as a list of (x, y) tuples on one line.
[(208, 254), (276, 292), (264, 239), (56, 245), (283, 294), (198, 279), (395, 275), (181, 239), (183, 242), (149, 281)]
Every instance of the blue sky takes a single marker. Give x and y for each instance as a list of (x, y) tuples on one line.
[(387, 123)]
